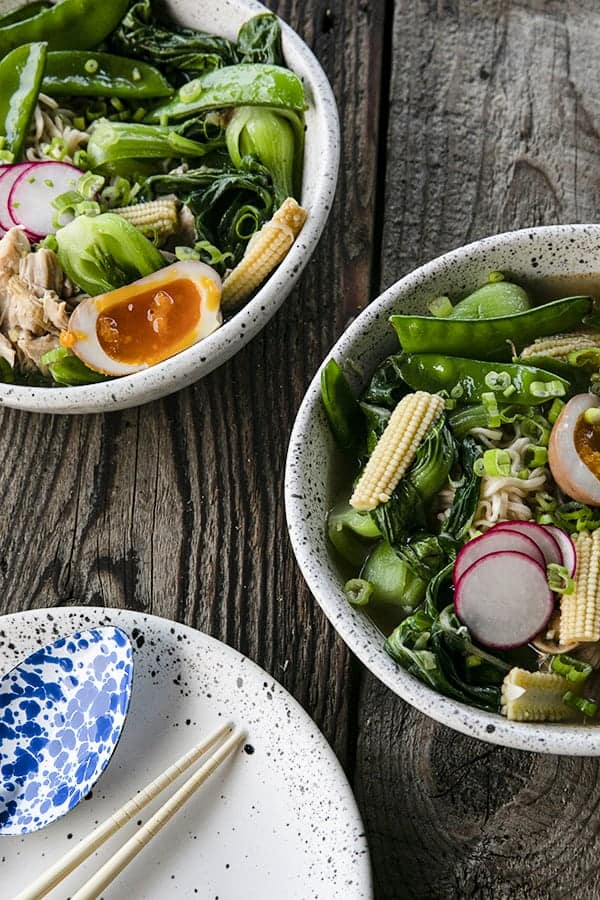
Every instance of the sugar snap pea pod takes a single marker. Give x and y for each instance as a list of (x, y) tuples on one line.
[(23, 12), (498, 298), (492, 338), (578, 378), (75, 73), (21, 74), (345, 416), (472, 381), (68, 25), (241, 85)]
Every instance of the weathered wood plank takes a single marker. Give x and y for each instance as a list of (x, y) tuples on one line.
[(494, 115), (177, 508)]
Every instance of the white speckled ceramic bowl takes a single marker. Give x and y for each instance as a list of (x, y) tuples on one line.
[(313, 468), (321, 159)]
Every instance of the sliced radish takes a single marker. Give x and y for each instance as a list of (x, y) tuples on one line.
[(8, 176), (494, 541), (504, 600), (567, 548), (538, 533), (32, 193)]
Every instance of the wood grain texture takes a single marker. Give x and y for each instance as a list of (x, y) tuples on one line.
[(494, 117), (176, 508)]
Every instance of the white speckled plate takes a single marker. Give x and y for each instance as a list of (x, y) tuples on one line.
[(278, 821), (567, 258), (321, 157)]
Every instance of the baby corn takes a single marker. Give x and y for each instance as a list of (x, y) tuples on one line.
[(560, 346), (396, 448), (158, 218), (580, 611), (535, 697), (264, 252)]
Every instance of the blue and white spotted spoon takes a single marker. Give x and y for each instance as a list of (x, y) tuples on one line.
[(62, 711)]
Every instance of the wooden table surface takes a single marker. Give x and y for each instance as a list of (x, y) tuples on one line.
[(460, 118)]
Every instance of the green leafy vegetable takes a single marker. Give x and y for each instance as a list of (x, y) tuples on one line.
[(113, 141), (466, 497), (393, 580), (7, 375), (402, 515), (220, 198), (259, 41), (352, 533), (439, 651), (68, 370), (376, 418), (105, 252), (434, 459), (275, 138), (387, 387), (143, 35)]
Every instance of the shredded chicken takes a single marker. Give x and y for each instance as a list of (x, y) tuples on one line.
[(7, 351), (25, 311), (22, 309), (13, 246), (42, 272), (32, 311), (54, 311), (31, 349)]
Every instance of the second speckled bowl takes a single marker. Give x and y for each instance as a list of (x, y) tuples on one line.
[(565, 260), (321, 156)]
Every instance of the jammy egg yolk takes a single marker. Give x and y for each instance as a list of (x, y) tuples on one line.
[(150, 325), (586, 438)]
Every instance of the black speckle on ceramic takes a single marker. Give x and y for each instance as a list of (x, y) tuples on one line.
[(279, 813), (321, 160), (313, 463)]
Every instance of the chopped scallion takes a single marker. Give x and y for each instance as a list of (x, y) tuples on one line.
[(358, 591), (555, 410), (559, 579), (536, 456), (543, 389), (574, 670), (497, 381), (589, 708)]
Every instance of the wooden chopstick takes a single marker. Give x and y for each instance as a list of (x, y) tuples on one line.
[(109, 871), (67, 863)]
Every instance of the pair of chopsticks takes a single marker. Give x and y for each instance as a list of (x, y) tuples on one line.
[(109, 871)]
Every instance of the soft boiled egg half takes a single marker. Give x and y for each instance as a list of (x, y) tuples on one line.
[(574, 449), (143, 323)]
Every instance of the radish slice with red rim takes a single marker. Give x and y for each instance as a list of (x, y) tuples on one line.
[(33, 192), (494, 541), (567, 548), (543, 538), (504, 600), (8, 176)]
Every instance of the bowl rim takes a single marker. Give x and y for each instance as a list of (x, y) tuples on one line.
[(572, 740), (200, 359)]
